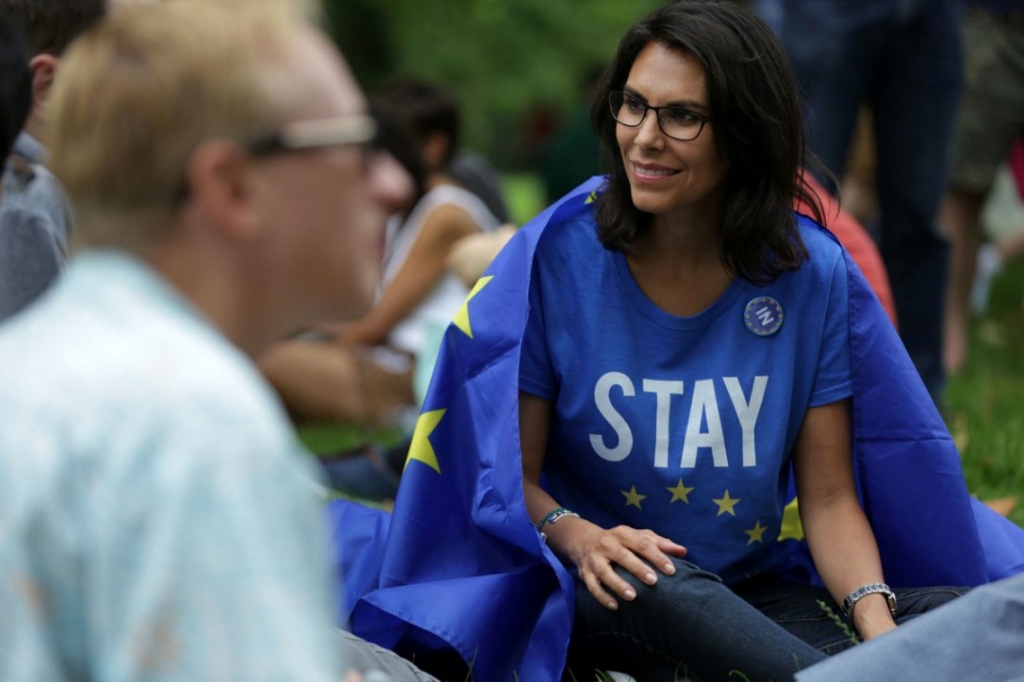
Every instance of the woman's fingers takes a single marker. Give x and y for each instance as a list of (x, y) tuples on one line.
[(633, 550), (596, 588), (656, 550)]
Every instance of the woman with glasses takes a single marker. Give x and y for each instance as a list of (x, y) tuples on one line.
[(686, 349)]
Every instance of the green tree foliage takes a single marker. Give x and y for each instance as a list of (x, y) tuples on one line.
[(503, 58)]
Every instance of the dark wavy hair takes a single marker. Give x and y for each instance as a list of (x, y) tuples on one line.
[(420, 108), (754, 108)]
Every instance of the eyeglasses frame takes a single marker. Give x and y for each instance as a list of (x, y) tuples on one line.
[(308, 135), (704, 120), (317, 133)]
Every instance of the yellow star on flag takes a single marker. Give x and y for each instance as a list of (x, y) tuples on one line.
[(591, 198), (633, 497), (461, 319), (756, 533), (726, 505), (792, 528), (680, 492), (420, 449)]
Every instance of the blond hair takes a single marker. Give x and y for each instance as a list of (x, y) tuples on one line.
[(138, 93)]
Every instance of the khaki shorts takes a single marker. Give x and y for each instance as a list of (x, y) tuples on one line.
[(992, 109)]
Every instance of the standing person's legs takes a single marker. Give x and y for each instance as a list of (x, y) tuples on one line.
[(991, 116), (914, 101), (687, 625), (833, 57), (960, 218)]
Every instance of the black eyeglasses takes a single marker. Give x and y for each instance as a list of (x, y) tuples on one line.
[(679, 123), (337, 131)]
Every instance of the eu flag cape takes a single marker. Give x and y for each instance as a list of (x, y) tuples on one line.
[(460, 566)]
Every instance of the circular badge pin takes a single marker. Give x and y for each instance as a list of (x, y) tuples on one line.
[(763, 316)]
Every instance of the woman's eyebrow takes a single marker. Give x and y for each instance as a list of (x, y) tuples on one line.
[(681, 103)]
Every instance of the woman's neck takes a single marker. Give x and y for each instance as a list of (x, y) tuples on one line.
[(437, 179), (677, 263)]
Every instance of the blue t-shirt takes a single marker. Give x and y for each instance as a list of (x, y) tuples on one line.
[(683, 425)]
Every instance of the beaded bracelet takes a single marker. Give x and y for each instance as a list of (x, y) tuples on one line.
[(553, 516)]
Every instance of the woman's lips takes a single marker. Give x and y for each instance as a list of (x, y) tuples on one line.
[(651, 173)]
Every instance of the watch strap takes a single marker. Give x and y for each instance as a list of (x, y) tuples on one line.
[(863, 591)]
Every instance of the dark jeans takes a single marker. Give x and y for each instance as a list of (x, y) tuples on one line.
[(904, 59), (691, 626)]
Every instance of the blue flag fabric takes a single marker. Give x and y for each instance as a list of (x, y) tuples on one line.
[(459, 564)]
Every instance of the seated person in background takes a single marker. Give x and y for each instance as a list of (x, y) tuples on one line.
[(363, 371), (35, 221)]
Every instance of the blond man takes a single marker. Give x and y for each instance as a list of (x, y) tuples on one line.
[(159, 518)]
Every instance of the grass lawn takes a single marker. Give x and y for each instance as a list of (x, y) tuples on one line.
[(985, 404)]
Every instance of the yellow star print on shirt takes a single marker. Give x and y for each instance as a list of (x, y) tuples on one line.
[(461, 319), (791, 529), (420, 449), (756, 533), (726, 504), (633, 497), (680, 492)]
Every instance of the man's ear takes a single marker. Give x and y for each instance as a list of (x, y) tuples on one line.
[(44, 68), (221, 185)]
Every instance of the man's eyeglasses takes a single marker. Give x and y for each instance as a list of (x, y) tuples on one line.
[(317, 133), (308, 135), (678, 123)]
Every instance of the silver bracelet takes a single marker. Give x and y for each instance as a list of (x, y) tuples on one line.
[(863, 591), (553, 516)]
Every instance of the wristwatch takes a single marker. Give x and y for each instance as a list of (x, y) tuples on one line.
[(870, 588)]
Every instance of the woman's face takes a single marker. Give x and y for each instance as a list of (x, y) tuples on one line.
[(668, 177)]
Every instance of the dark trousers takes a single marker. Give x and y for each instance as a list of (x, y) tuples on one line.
[(691, 626)]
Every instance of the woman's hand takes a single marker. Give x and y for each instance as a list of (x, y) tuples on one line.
[(591, 548), (598, 550)]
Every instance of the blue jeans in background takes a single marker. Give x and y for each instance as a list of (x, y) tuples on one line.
[(902, 58)]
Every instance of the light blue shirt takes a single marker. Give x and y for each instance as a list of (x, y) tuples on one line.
[(158, 519)]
